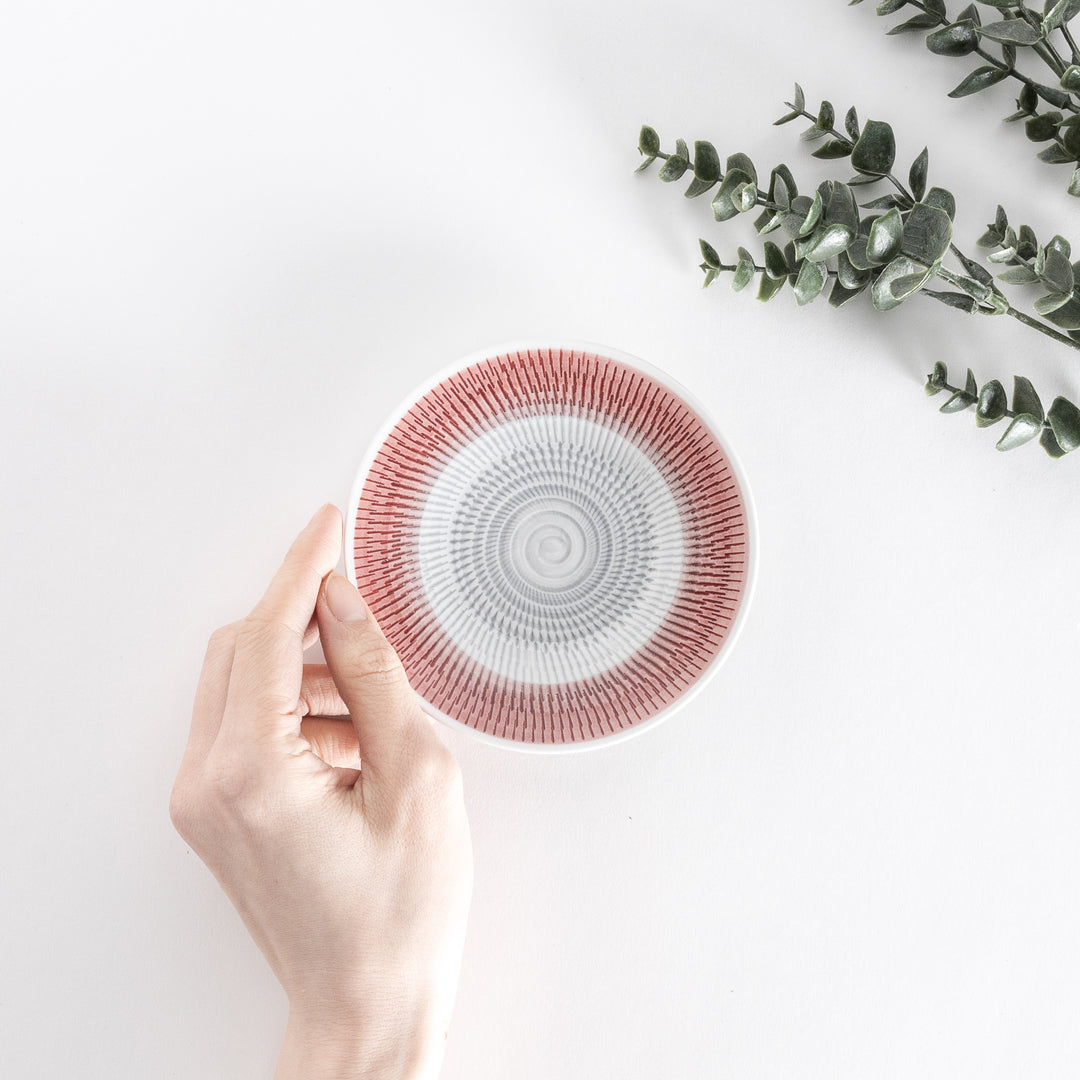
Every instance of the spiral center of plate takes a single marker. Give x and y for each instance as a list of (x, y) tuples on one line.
[(550, 549)]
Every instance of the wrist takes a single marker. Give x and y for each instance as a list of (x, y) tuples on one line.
[(325, 1045)]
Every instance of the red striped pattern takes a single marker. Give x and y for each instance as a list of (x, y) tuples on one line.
[(658, 422)]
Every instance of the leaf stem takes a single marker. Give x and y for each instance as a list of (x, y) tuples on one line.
[(1044, 49), (1026, 80), (1006, 412), (1027, 320), (1020, 316), (1070, 42)]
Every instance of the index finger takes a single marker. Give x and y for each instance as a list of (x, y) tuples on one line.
[(268, 663)]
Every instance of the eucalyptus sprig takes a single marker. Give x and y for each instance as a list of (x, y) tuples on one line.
[(1058, 428), (1018, 31), (898, 250)]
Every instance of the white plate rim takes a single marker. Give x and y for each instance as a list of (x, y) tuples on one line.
[(672, 384)]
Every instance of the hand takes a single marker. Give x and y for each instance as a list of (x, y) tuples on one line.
[(331, 813)]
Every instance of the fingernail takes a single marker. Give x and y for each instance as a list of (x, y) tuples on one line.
[(344, 600)]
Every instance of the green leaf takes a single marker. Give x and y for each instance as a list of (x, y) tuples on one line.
[(1070, 136), (1057, 272), (960, 301), (1070, 79), (1067, 317), (1043, 127), (711, 274), (1028, 99), (959, 39), (744, 271), (936, 7), (1028, 246), (770, 286), (970, 12), (648, 141), (743, 163), (916, 22), (1053, 96), (813, 215), (795, 218), (706, 162), (792, 261), (979, 79), (810, 282), (971, 386), (673, 168), (708, 253), (775, 263), (697, 187), (975, 270), (886, 233), (826, 116), (903, 272), (800, 97), (992, 404), (936, 380), (943, 200), (782, 187), (959, 401), (1025, 400), (1050, 303), (851, 123), (834, 148), (927, 233), (828, 242), (767, 222), (1064, 419), (744, 197), (841, 294), (1058, 14), (917, 174), (973, 288), (1059, 243), (1023, 428), (840, 208), (849, 275), (1019, 275), (856, 252), (1074, 184), (1012, 31), (724, 206), (887, 7), (1050, 444), (875, 151), (886, 202)]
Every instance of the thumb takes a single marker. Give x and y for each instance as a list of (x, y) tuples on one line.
[(392, 730)]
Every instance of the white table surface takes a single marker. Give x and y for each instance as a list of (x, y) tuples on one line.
[(232, 238)]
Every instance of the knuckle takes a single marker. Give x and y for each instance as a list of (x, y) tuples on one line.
[(436, 773), (222, 639), (379, 665), (181, 810), (228, 788)]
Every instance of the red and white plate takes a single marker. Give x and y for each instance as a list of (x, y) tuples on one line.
[(556, 542)]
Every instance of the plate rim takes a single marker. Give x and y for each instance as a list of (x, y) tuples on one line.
[(671, 383)]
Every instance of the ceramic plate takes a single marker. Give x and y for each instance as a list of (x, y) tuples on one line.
[(557, 543)]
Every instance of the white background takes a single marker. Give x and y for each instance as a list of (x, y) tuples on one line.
[(232, 238)]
